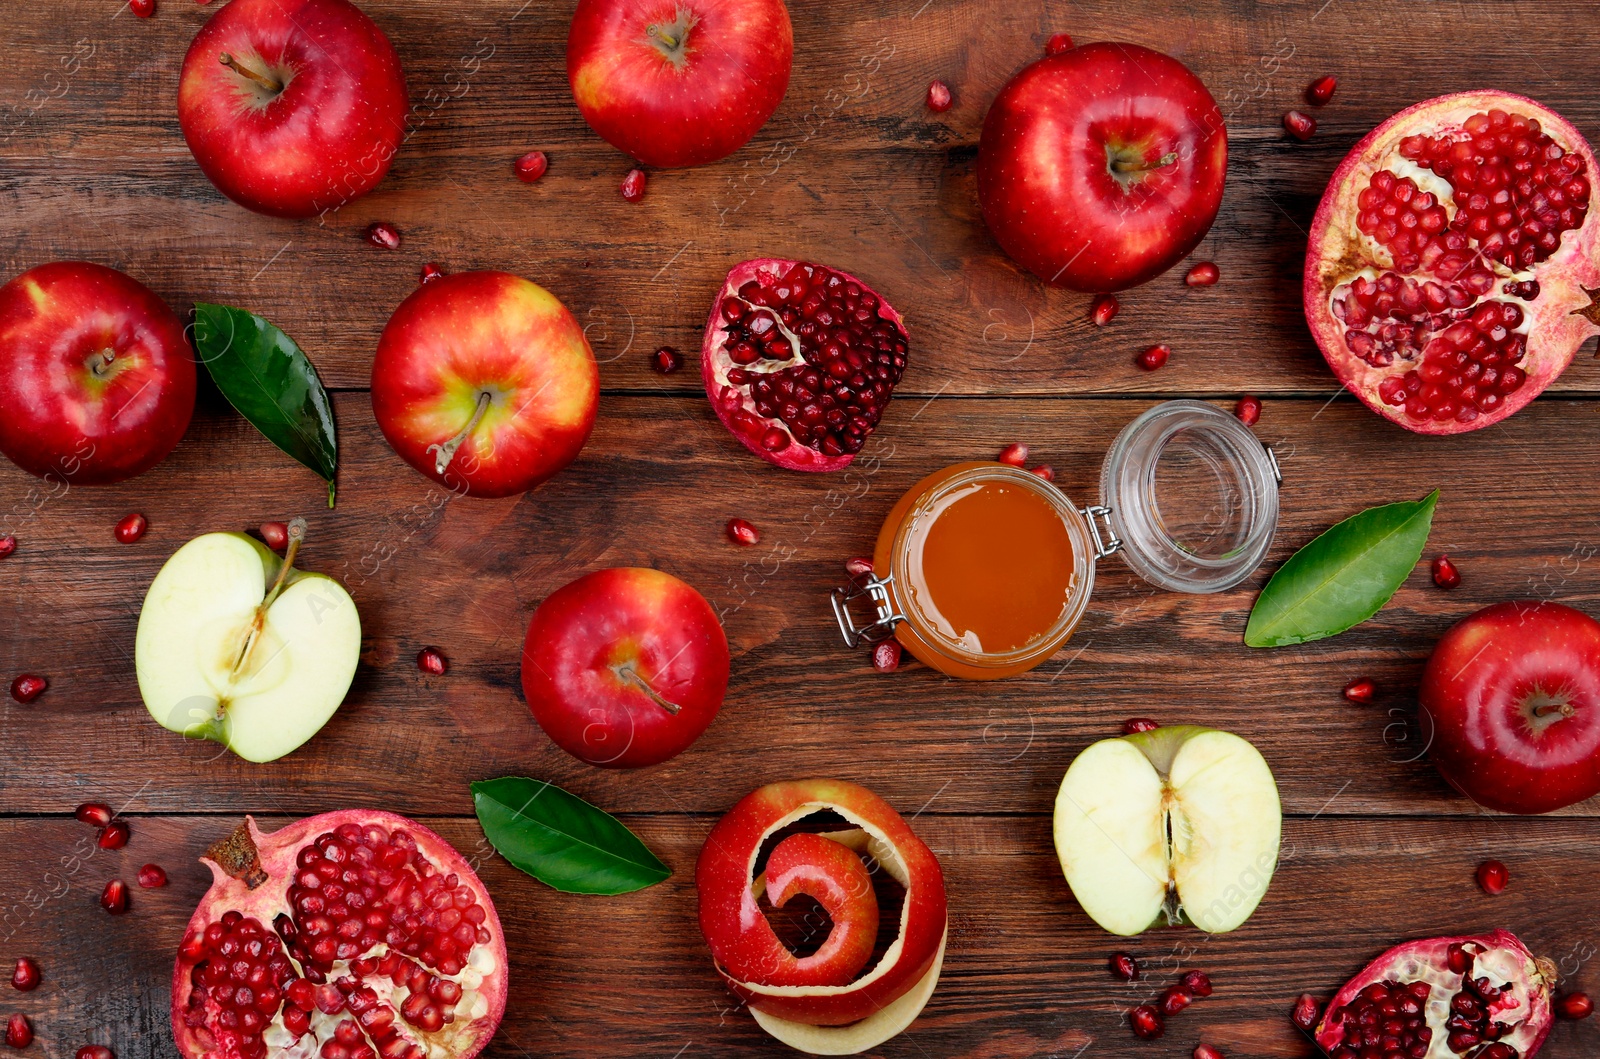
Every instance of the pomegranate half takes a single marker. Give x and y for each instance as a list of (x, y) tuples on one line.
[(800, 361), (351, 935), (1450, 261), (1482, 996)]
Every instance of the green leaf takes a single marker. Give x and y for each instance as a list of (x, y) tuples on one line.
[(562, 840), (269, 379), (1343, 577)]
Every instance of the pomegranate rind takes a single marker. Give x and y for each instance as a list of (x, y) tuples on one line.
[(1504, 958), (1336, 251), (276, 852)]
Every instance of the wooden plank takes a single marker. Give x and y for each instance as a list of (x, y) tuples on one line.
[(852, 171), (654, 487)]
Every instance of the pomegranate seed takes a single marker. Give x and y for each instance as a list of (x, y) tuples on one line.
[(1445, 574), (1045, 471), (1306, 1010), (1248, 410), (131, 528), (860, 566), (1574, 1006), (886, 656), (1016, 454), (430, 660), (1320, 91), (1204, 274), (28, 687), (276, 534), (18, 1033), (1057, 44), (1123, 967), (1361, 690), (114, 898), (742, 532), (1300, 126), (430, 272), (1197, 983), (142, 8), (8, 544), (25, 979), (532, 166), (1154, 357), (666, 360), (1135, 725), (152, 877), (1492, 877), (384, 236), (96, 1051), (633, 185), (938, 97), (1175, 999), (96, 813), (1457, 958), (1147, 1022), (1103, 309), (114, 835), (1205, 1051)]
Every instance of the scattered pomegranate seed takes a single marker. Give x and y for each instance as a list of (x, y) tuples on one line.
[(1205, 1051), (1445, 574), (8, 544), (276, 534), (1103, 309), (666, 360), (1361, 690), (742, 532), (532, 166), (1016, 454), (938, 97), (18, 1033), (1154, 357), (1574, 1006), (28, 687), (384, 235), (1248, 410), (1300, 126), (100, 1051), (96, 813), (1492, 877), (1197, 983), (1123, 967), (152, 877), (860, 566), (1175, 999), (131, 528), (1147, 1022), (1320, 91), (25, 979), (142, 8), (1135, 725), (1305, 1013), (1045, 471), (430, 660), (430, 272), (1205, 274), (114, 898), (1057, 44), (114, 835), (633, 185), (886, 656)]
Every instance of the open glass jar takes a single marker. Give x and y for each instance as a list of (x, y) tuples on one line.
[(983, 570)]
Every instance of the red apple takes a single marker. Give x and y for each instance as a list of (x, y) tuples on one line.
[(96, 378), (679, 82), (292, 107), (624, 668), (484, 382), (1102, 166), (1513, 693)]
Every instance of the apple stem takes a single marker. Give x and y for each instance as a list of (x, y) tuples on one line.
[(244, 71), (1120, 165), (663, 36), (297, 534), (628, 675), (1563, 708), (447, 451), (101, 363)]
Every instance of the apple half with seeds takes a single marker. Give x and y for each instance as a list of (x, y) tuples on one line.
[(1179, 824), (237, 646)]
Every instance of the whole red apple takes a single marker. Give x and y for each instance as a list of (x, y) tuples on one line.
[(1102, 166), (484, 382), (96, 378), (679, 82), (292, 107), (625, 667), (1513, 692)]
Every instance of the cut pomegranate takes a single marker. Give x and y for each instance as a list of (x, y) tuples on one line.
[(1134, 725), (1197, 983), (1320, 91), (1300, 126), (1205, 274), (114, 835), (1360, 690), (1445, 574), (95, 813), (1146, 1022), (360, 929), (1123, 968), (1410, 1002), (19, 1034), (1015, 454), (1154, 357), (1574, 1006), (800, 361), (1248, 410), (1058, 43), (25, 979), (28, 687), (1045, 471), (886, 656), (383, 235), (152, 877), (1448, 263), (532, 166), (938, 97), (742, 532), (275, 534), (431, 660), (1103, 309), (633, 185), (666, 360), (1493, 877), (1306, 1012), (114, 898), (131, 528)]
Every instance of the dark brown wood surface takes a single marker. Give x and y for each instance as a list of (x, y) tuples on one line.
[(853, 171)]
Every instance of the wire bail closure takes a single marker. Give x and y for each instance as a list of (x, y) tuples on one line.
[(1093, 516), (869, 587)]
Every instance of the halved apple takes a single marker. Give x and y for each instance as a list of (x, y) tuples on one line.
[(237, 646), (1181, 821)]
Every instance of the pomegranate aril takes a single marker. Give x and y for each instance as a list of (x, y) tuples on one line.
[(633, 185), (142, 8), (114, 898), (1458, 959), (8, 544), (114, 835), (131, 528), (1445, 574), (25, 978), (430, 272), (152, 877), (1205, 274), (1574, 1006), (1154, 357), (94, 1051), (1123, 967), (1300, 125), (886, 656), (1320, 91), (1175, 999), (383, 235), (741, 532), (531, 166), (1197, 983), (1058, 43), (1205, 1051), (432, 660), (1248, 410), (28, 687), (939, 99), (1146, 1022), (1015, 454), (275, 534), (1361, 690), (1103, 309), (95, 813), (1135, 725), (1305, 1012), (666, 360), (19, 1034), (860, 566), (1493, 877)]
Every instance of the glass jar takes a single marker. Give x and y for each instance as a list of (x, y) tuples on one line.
[(990, 567)]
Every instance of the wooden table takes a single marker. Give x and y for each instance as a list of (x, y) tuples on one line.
[(853, 171)]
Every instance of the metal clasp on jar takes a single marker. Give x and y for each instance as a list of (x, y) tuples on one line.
[(869, 587), (1109, 544)]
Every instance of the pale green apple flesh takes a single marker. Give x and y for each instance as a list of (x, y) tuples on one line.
[(1179, 823), (195, 673)]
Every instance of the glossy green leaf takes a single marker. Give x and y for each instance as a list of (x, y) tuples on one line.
[(562, 840), (272, 383), (1343, 577)]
